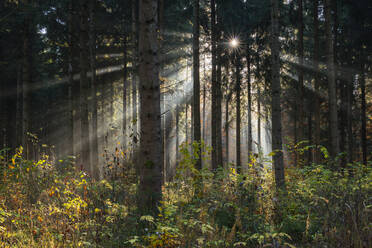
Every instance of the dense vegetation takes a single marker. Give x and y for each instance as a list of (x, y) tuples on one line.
[(185, 123)]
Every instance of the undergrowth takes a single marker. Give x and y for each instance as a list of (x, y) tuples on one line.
[(49, 203)]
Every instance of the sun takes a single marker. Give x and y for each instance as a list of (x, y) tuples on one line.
[(234, 43)]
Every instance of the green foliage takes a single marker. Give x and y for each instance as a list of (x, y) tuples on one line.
[(49, 203)]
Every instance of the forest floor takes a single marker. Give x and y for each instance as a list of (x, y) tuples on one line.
[(51, 204)]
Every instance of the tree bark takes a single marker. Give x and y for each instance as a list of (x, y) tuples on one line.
[(349, 110), (218, 106), (276, 96), (363, 114), (238, 117), (333, 121), (317, 155), (151, 162), (19, 110), (93, 90), (70, 110), (135, 27), (27, 79), (227, 117), (196, 65), (249, 87), (177, 133), (214, 87), (300, 121), (125, 92), (84, 86)]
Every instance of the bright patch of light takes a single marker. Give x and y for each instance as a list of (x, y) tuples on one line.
[(234, 43)]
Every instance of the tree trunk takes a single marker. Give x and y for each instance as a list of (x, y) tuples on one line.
[(238, 117), (135, 67), (214, 88), (27, 79), (84, 86), (300, 121), (350, 98), (317, 155), (333, 122), (204, 101), (196, 65), (70, 110), (227, 117), (93, 92), (125, 92), (177, 133), (218, 105), (19, 110), (151, 163), (259, 117), (363, 114), (276, 96), (249, 86)]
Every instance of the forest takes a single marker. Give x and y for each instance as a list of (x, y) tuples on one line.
[(186, 123)]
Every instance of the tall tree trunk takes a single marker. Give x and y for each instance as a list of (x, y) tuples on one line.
[(19, 110), (300, 121), (177, 133), (350, 98), (135, 66), (27, 78), (84, 86), (258, 98), (363, 114), (218, 105), (214, 87), (249, 86), (151, 163), (259, 118), (204, 100), (70, 110), (238, 117), (168, 129), (196, 65), (227, 117), (333, 122), (93, 90), (317, 155), (111, 96), (125, 92), (276, 96)]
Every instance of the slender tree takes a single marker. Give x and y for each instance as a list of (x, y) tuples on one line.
[(363, 113), (227, 115), (27, 76), (316, 56), (125, 89), (249, 110), (70, 132), (276, 96), (238, 115), (135, 27), (218, 90), (332, 96), (196, 74), (93, 89), (84, 85), (300, 107), (151, 162), (214, 87)]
